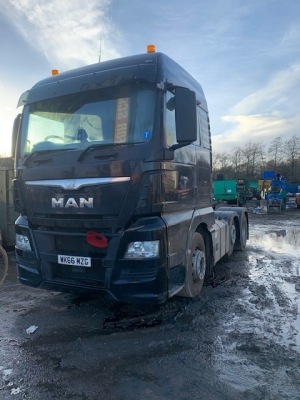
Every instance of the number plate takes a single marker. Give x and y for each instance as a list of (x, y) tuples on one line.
[(74, 260)]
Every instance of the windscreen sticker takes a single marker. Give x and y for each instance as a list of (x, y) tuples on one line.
[(122, 120)]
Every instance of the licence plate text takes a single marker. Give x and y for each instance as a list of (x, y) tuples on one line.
[(74, 260)]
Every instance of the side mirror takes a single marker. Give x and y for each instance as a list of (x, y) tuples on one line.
[(185, 116), (15, 133)]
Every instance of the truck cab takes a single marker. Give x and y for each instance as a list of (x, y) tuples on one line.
[(113, 179)]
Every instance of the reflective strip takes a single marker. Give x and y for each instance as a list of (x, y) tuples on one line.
[(74, 184)]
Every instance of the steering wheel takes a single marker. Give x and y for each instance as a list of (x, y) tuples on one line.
[(55, 137)]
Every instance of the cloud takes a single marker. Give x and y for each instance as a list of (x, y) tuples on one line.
[(66, 32), (291, 36), (264, 114), (257, 128), (275, 91)]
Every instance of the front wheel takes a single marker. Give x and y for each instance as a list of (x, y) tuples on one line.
[(195, 268)]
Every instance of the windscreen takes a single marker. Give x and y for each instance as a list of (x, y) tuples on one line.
[(119, 115)]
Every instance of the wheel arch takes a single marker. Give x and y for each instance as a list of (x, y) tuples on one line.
[(203, 230)]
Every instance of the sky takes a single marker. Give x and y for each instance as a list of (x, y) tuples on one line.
[(245, 54)]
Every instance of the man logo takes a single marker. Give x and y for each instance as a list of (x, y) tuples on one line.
[(72, 203)]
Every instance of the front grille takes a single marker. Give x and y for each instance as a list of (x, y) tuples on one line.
[(73, 245), (92, 277)]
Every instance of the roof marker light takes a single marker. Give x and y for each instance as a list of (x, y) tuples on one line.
[(151, 48), (54, 72)]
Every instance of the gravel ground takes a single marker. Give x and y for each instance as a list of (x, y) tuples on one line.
[(239, 340)]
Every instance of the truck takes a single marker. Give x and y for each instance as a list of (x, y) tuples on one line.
[(113, 183)]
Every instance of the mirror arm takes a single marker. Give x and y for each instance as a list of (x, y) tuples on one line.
[(179, 145)]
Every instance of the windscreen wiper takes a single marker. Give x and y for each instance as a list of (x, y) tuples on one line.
[(101, 145), (97, 146), (42, 153)]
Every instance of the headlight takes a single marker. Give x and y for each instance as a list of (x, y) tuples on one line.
[(142, 249), (22, 242)]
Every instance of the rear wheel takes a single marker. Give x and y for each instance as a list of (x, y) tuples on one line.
[(196, 267), (232, 236), (242, 234)]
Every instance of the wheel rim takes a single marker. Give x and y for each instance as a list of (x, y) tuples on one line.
[(233, 233), (198, 265)]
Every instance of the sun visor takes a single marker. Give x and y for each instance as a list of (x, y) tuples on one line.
[(61, 85), (23, 99)]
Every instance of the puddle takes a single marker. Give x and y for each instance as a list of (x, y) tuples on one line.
[(274, 283), (282, 241), (297, 326)]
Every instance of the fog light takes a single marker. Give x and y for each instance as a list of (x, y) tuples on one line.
[(22, 242), (142, 249)]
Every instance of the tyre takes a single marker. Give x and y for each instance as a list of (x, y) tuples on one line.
[(232, 236), (195, 268), (242, 235)]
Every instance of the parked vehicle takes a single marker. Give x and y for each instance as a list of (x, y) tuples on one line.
[(114, 186), (232, 191), (276, 196)]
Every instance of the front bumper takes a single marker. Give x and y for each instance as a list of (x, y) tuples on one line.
[(140, 281)]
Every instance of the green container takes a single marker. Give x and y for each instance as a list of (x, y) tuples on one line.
[(225, 190), (7, 212), (253, 184)]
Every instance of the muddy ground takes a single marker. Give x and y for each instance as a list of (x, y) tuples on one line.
[(239, 340)]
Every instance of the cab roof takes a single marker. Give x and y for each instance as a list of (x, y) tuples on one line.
[(152, 67)]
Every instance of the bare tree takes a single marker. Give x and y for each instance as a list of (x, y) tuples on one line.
[(251, 160), (215, 161), (237, 160), (251, 155), (276, 152), (292, 153), (220, 161)]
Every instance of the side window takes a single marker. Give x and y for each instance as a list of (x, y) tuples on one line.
[(170, 125)]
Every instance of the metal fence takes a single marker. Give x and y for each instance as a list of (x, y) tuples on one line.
[(7, 212)]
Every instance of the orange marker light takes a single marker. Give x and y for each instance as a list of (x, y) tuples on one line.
[(151, 48), (54, 72)]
